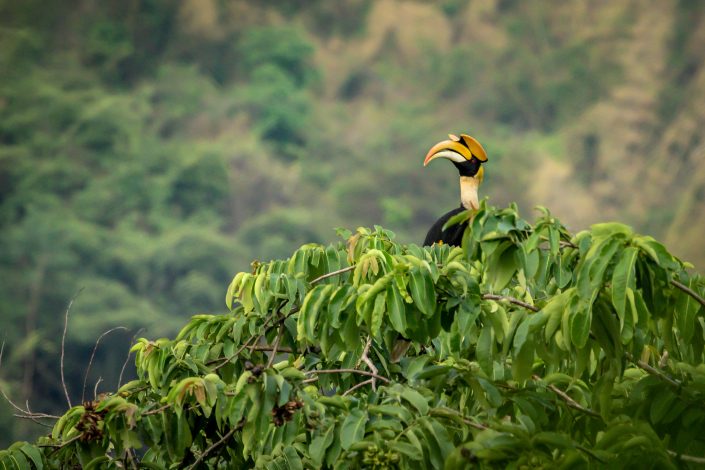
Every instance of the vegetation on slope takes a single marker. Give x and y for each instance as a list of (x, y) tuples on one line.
[(530, 348), (146, 147)]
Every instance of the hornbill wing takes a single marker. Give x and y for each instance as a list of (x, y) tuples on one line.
[(450, 236)]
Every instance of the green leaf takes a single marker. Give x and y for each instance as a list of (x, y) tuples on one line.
[(484, 349), (623, 278), (353, 428), (417, 400), (409, 450), (554, 309), (293, 461), (33, 454), (96, 462), (686, 310), (396, 309), (523, 359), (377, 314), (423, 291), (580, 320), (501, 271)]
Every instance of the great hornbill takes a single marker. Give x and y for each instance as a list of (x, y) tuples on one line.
[(467, 155)]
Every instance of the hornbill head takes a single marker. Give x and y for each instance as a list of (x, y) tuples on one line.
[(467, 155)]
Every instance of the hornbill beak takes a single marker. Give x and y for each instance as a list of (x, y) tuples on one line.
[(457, 149)]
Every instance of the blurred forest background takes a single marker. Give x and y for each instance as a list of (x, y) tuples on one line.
[(150, 149)]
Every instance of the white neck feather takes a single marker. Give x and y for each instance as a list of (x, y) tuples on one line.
[(468, 192)]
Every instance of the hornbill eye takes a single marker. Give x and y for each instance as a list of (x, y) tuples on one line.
[(468, 167)]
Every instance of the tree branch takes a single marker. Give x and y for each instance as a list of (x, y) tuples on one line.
[(24, 414), (90, 361), (348, 371), (127, 358), (366, 359), (275, 347), (511, 300), (331, 274), (688, 291), (686, 458), (216, 445), (360, 385), (445, 411), (569, 401), (653, 371), (63, 347)]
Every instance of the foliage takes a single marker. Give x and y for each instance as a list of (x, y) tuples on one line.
[(148, 149), (530, 346)]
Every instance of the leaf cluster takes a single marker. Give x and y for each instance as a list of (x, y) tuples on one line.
[(528, 346)]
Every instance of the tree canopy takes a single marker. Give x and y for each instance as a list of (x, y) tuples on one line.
[(530, 347)]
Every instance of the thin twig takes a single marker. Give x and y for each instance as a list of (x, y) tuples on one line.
[(34, 419), (215, 446), (331, 274), (360, 385), (511, 300), (156, 411), (275, 346), (444, 411), (269, 347), (256, 338), (244, 346), (688, 291), (63, 444), (90, 361), (366, 359), (686, 458), (63, 347), (569, 401), (655, 372), (25, 414), (348, 371), (95, 388), (127, 358)]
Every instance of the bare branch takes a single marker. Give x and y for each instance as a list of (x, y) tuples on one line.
[(360, 385), (34, 419), (24, 414), (90, 361), (511, 300), (95, 388), (127, 358), (686, 458), (63, 347), (366, 359), (348, 371), (156, 411), (275, 346), (331, 274), (444, 411), (216, 445), (655, 372), (688, 291), (269, 347)]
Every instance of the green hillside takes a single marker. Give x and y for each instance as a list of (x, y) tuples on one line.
[(149, 150)]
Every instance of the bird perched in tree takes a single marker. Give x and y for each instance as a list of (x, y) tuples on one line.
[(467, 155)]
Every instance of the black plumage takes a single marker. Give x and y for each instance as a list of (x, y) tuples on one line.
[(452, 235)]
